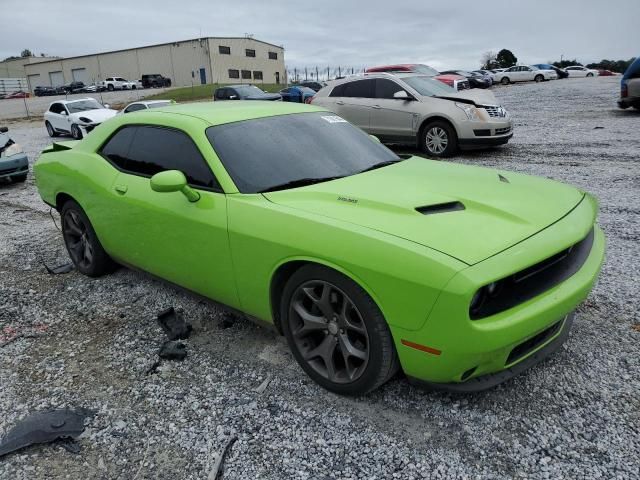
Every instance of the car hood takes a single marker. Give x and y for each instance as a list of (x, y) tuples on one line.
[(97, 115), (469, 213), (474, 95)]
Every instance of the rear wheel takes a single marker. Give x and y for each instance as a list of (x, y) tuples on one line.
[(82, 243), (589, 74), (439, 139), (539, 78), (505, 81), (336, 331), (50, 130), (110, 87)]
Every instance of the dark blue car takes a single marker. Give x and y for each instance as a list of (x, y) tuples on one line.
[(297, 93)]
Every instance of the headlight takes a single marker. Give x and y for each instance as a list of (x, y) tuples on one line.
[(85, 120), (12, 149), (470, 110)]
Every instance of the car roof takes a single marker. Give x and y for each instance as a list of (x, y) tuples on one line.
[(64, 102), (218, 113)]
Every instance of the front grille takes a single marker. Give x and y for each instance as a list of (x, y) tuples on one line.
[(482, 133), (532, 281), (502, 131), (534, 342), (495, 111)]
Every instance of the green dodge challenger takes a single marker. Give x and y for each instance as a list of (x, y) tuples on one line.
[(368, 262)]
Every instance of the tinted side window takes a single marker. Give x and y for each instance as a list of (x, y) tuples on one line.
[(337, 91), (134, 108), (158, 149), (359, 89), (386, 88), (116, 150)]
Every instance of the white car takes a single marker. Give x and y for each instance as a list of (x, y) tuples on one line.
[(578, 71), (144, 105), (119, 83), (75, 117), (524, 73)]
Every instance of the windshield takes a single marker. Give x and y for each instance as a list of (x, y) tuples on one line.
[(249, 90), (263, 153), (428, 87), (425, 69), (158, 104), (83, 105)]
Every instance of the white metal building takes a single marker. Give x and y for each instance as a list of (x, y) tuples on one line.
[(196, 61)]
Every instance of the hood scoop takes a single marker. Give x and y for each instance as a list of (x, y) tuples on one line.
[(440, 208)]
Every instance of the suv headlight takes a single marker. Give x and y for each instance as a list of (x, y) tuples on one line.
[(12, 149), (470, 111), (85, 119)]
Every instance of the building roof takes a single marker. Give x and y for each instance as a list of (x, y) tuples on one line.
[(57, 59)]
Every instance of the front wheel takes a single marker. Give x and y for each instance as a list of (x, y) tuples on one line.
[(505, 81), (82, 243), (589, 74), (110, 87), (539, 78), (76, 133), (439, 139), (336, 331), (50, 130)]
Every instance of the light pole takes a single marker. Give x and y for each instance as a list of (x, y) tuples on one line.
[(561, 55)]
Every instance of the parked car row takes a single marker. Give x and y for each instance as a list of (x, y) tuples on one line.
[(109, 84)]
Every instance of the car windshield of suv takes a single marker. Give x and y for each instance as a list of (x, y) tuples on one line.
[(249, 91), (284, 151), (428, 86), (83, 105)]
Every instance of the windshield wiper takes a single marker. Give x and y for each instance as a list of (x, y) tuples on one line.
[(380, 165), (300, 182)]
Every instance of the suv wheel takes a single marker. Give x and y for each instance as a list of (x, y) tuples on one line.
[(336, 331), (439, 139), (50, 130), (110, 87), (76, 133)]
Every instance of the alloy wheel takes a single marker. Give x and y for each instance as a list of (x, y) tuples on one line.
[(437, 140), (77, 238), (49, 129), (329, 332)]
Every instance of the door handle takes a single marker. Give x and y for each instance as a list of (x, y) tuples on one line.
[(377, 107), (339, 102), (121, 189)]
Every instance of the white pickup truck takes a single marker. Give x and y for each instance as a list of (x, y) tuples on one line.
[(119, 83)]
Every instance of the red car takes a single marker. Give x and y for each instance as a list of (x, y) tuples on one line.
[(17, 95), (456, 81), (605, 73)]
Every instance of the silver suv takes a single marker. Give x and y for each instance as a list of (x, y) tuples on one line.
[(410, 108)]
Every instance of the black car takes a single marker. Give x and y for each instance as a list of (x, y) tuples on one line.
[(476, 80), (315, 86), (74, 87), (243, 92), (546, 66), (41, 91), (155, 80)]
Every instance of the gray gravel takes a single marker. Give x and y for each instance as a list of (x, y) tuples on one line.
[(88, 342)]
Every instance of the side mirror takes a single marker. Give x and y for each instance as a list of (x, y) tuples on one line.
[(4, 129), (401, 95), (173, 181), (63, 112), (375, 139)]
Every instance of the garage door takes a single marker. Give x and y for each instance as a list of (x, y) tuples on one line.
[(80, 75), (57, 78), (34, 81)]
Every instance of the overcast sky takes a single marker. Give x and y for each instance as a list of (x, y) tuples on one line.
[(347, 33)]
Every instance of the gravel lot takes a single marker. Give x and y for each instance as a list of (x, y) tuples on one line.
[(89, 342)]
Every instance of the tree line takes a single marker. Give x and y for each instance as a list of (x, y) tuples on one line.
[(505, 59)]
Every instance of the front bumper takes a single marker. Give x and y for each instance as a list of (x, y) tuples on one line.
[(490, 132), (14, 166), (88, 128), (464, 349)]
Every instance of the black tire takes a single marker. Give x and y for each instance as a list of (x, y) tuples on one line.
[(505, 81), (83, 246), (381, 361), (110, 87), (76, 133), (50, 130), (20, 178), (430, 145), (539, 78), (589, 74)]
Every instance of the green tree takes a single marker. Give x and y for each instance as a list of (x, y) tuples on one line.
[(506, 58), (26, 53), (488, 61), (567, 63)]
